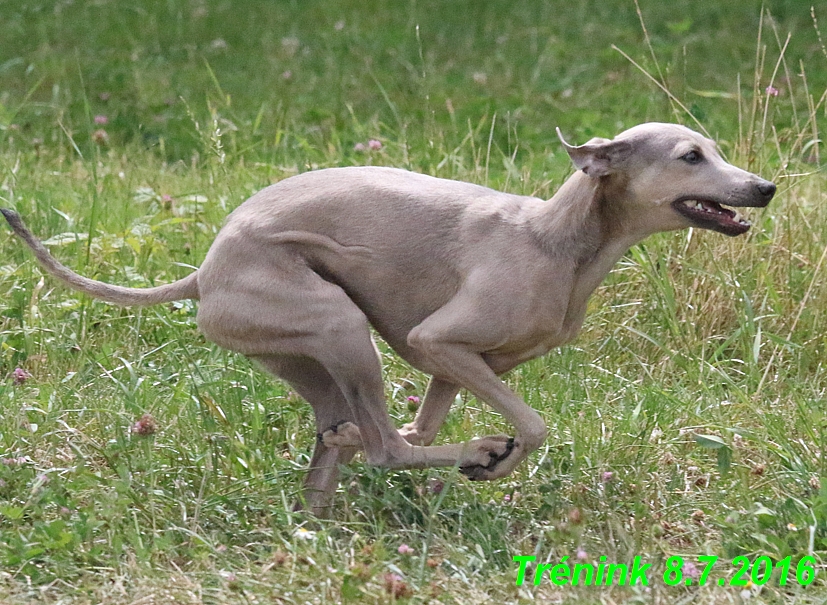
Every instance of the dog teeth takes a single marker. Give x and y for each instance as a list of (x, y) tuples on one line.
[(740, 219), (696, 205)]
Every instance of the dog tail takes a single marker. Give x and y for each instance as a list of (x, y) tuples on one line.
[(119, 295)]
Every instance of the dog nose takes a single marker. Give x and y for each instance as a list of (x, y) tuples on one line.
[(766, 189)]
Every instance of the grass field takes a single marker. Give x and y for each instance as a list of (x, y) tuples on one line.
[(689, 418)]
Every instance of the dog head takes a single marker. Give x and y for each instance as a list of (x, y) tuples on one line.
[(670, 177)]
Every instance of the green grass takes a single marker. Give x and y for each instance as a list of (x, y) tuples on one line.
[(698, 381)]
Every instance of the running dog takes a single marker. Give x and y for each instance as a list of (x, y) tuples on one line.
[(462, 281)]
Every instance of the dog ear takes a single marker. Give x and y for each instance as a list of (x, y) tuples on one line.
[(598, 157)]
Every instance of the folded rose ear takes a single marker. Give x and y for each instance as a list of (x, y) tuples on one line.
[(598, 157)]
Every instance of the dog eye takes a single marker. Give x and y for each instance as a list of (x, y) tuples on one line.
[(693, 157)]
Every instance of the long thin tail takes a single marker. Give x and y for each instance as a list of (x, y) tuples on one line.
[(119, 295)]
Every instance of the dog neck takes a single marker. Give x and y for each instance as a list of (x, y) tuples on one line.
[(567, 225), (583, 220), (583, 225)]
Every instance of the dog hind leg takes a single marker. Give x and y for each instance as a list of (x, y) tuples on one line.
[(310, 380)]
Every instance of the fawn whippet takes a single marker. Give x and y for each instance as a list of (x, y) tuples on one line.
[(462, 281)]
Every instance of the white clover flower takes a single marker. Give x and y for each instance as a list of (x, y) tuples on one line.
[(304, 534)]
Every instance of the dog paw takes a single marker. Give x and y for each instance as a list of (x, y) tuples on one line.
[(492, 450), (344, 434)]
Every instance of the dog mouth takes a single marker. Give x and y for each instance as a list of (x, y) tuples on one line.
[(708, 214)]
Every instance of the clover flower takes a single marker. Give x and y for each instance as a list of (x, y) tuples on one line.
[(20, 376), (145, 426), (404, 549)]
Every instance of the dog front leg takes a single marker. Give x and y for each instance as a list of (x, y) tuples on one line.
[(430, 416), (469, 370)]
